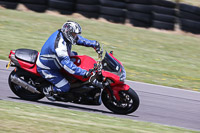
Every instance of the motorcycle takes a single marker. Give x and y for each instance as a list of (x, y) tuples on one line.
[(108, 73)]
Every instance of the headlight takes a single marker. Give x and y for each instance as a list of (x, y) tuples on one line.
[(123, 74)]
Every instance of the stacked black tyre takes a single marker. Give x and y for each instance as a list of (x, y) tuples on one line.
[(189, 18), (139, 13), (35, 5), (10, 4), (113, 10), (164, 14), (88, 8), (63, 6)]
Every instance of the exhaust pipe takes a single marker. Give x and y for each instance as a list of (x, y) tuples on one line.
[(23, 84)]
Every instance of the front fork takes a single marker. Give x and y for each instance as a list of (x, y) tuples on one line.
[(114, 91)]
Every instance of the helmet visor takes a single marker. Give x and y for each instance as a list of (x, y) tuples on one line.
[(74, 36)]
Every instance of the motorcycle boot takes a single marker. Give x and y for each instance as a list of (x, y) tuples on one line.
[(49, 93)]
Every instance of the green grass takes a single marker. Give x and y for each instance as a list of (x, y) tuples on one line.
[(164, 58), (23, 118), (191, 2)]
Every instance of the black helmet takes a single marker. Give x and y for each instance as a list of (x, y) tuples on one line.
[(70, 29)]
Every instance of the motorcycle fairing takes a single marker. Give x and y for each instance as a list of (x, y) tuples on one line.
[(112, 65), (115, 78), (117, 88), (30, 67), (111, 54), (84, 62)]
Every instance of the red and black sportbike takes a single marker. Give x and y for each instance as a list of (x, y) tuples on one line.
[(108, 73)]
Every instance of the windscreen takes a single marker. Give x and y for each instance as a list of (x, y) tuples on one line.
[(110, 64)]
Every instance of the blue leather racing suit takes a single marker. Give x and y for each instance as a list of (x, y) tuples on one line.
[(55, 54)]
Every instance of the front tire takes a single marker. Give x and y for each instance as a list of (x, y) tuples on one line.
[(20, 91), (129, 102)]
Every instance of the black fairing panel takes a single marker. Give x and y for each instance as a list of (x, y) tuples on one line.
[(110, 64), (27, 55)]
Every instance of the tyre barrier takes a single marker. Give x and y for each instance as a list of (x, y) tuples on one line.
[(163, 21), (9, 5), (163, 25), (146, 18), (36, 8), (164, 10), (164, 3), (188, 15), (38, 2), (88, 2), (67, 5), (189, 8), (113, 11), (90, 11), (88, 14), (112, 3), (119, 0), (145, 2), (140, 8), (164, 17), (190, 25), (139, 15), (35, 5), (113, 18), (138, 23), (88, 8), (10, 0), (186, 29)]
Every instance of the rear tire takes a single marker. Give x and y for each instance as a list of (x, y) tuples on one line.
[(129, 102), (20, 91)]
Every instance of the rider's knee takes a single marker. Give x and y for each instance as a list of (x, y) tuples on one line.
[(65, 88)]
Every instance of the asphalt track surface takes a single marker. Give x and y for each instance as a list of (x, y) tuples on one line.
[(158, 104)]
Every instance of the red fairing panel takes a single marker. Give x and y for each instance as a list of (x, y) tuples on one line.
[(113, 77), (118, 88), (84, 62), (24, 64), (110, 75), (11, 52), (28, 67)]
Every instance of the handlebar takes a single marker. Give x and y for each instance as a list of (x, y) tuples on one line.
[(99, 61), (98, 66)]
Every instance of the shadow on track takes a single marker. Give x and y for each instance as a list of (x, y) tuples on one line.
[(63, 105)]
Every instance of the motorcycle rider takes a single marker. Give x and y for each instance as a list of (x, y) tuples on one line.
[(55, 54)]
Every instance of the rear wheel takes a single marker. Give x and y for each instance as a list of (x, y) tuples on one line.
[(19, 90), (128, 103)]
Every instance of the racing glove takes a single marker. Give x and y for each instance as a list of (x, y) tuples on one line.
[(97, 47), (95, 82), (87, 74)]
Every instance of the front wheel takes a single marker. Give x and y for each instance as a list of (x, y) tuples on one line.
[(128, 103)]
